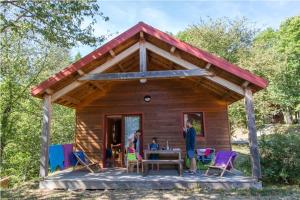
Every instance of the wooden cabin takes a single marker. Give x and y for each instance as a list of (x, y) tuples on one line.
[(146, 79)]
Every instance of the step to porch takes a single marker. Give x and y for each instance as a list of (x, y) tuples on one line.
[(161, 180)]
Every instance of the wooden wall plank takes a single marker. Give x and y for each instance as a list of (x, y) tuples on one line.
[(162, 117)]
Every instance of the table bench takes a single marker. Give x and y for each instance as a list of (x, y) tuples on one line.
[(177, 161)]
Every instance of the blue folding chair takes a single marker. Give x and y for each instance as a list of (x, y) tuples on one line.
[(85, 161)]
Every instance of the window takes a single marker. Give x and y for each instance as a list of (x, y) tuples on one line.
[(197, 121)]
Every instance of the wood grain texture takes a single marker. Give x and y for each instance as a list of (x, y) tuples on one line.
[(162, 117), (45, 136), (254, 152)]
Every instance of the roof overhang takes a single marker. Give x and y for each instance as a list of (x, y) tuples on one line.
[(128, 43)]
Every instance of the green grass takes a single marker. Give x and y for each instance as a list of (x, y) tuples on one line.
[(242, 162)]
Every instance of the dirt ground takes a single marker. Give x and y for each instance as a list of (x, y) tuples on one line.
[(30, 191)]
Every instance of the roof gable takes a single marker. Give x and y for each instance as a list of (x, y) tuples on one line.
[(142, 27)]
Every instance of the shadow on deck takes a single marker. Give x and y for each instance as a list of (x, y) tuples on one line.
[(163, 179)]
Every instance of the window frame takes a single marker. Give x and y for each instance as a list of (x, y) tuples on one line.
[(203, 122)]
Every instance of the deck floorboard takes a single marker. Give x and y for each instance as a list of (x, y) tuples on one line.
[(163, 179)]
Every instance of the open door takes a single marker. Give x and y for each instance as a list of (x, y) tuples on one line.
[(132, 123), (113, 141), (118, 128)]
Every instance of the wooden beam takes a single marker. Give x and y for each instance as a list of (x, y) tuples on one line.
[(49, 91), (116, 59), (245, 84), (226, 95), (147, 74), (46, 127), (142, 35), (210, 90), (188, 65), (170, 56), (112, 53), (65, 90), (172, 50), (121, 68), (80, 72), (207, 66), (71, 99), (92, 96), (143, 57), (254, 152), (99, 86), (227, 84), (99, 69)]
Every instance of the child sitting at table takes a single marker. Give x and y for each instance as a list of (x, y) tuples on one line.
[(131, 149), (153, 147)]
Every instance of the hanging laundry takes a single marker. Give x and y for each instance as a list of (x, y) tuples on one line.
[(56, 157), (69, 158)]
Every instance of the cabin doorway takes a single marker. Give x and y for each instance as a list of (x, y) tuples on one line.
[(118, 129)]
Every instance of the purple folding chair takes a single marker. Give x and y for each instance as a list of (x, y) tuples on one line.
[(223, 161)]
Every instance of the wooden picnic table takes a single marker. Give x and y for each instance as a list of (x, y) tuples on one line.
[(177, 161)]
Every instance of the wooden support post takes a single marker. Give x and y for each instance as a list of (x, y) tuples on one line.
[(254, 152), (143, 57), (44, 159)]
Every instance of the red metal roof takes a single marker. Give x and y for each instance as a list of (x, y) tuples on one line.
[(199, 53)]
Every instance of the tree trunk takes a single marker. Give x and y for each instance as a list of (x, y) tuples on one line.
[(288, 118)]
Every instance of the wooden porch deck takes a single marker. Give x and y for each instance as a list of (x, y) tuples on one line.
[(163, 179)]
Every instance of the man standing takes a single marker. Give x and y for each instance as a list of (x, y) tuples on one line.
[(189, 134)]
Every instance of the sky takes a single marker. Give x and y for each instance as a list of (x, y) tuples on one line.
[(174, 16)]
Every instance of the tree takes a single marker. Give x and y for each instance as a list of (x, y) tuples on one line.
[(288, 87), (61, 22), (230, 39), (223, 37), (35, 37), (273, 54), (77, 56), (23, 65)]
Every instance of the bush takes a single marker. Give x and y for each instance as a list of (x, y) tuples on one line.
[(280, 157)]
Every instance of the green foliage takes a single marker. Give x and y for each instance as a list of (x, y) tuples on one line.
[(273, 54), (278, 52), (289, 46), (280, 156), (224, 37), (197, 126), (242, 162), (77, 56), (35, 36), (61, 22), (23, 64)]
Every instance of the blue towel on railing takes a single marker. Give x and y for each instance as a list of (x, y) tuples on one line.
[(56, 157)]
